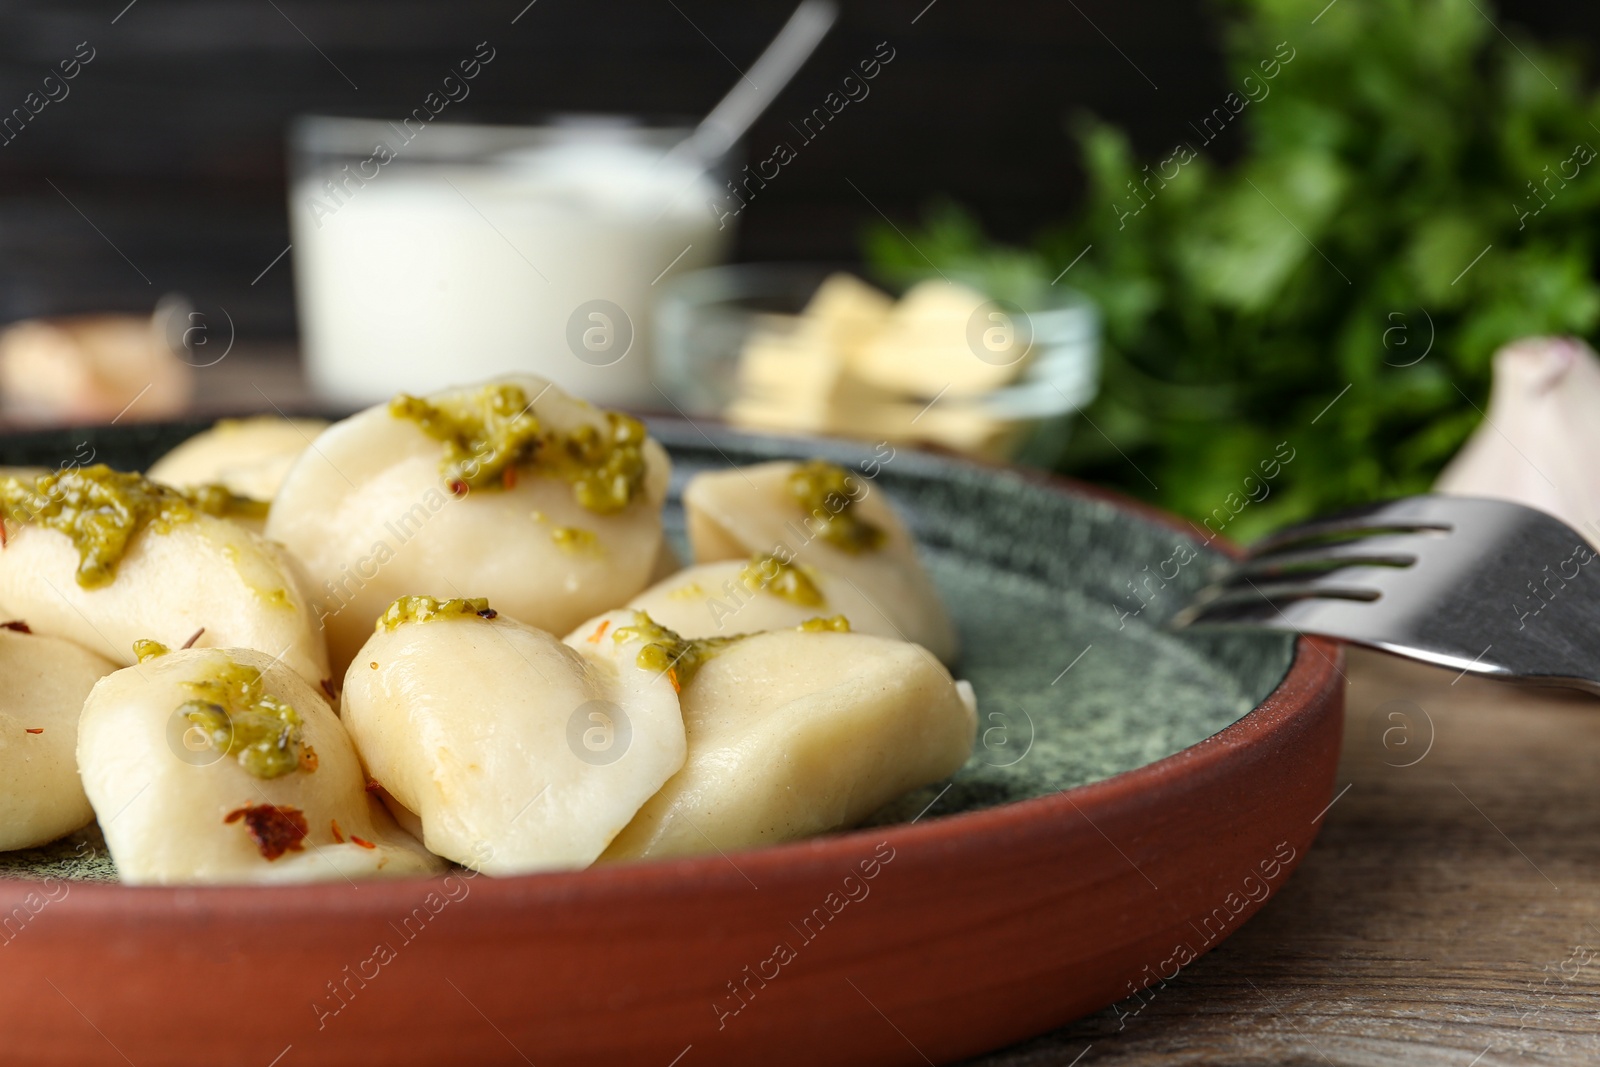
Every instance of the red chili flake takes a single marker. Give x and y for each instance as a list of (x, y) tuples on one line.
[(36, 730), (457, 487), (3, 541), (373, 786), (194, 637), (308, 759), (274, 829), (16, 625), (488, 613), (337, 836), (327, 687), (599, 632), (509, 479), (363, 842)]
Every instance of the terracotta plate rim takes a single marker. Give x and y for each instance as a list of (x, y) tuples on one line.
[(1313, 672)]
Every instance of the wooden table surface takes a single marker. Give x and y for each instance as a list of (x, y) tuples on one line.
[(1449, 913)]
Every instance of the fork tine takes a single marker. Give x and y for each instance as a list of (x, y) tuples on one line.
[(1388, 549), (1404, 516), (1475, 585), (1231, 603), (1355, 529)]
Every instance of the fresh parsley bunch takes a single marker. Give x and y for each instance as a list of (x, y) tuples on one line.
[(1415, 189)]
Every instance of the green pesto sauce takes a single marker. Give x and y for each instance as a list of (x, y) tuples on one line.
[(431, 609), (236, 713), (145, 649), (223, 502), (837, 624), (680, 658), (99, 509), (606, 469), (490, 434), (274, 596), (828, 494), (486, 434), (665, 652), (575, 540), (787, 581)]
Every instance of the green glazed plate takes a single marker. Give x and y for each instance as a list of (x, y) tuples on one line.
[(1060, 599)]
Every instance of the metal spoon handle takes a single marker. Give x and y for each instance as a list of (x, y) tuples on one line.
[(755, 91)]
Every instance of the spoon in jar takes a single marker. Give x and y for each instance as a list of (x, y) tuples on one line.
[(755, 91)]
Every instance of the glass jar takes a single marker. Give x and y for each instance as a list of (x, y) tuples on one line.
[(437, 255)]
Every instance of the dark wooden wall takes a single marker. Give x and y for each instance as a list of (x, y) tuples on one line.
[(163, 167)]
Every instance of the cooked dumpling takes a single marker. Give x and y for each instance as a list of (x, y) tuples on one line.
[(793, 733), (517, 752), (246, 456), (824, 517), (747, 596), (220, 765), (513, 488), (105, 558), (43, 682)]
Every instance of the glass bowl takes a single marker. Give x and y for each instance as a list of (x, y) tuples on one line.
[(705, 320)]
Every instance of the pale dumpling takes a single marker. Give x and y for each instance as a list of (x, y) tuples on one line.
[(512, 488), (222, 766), (746, 596), (247, 456), (831, 520), (794, 733), (516, 751), (43, 683), (65, 568)]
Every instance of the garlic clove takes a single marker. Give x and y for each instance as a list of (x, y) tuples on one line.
[(1539, 440)]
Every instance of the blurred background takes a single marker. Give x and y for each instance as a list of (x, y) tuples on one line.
[(1324, 216)]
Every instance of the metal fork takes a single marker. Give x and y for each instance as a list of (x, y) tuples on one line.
[(1480, 586)]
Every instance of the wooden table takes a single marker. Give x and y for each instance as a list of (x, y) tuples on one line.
[(1449, 913)]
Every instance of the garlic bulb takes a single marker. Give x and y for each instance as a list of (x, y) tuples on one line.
[(1540, 438)]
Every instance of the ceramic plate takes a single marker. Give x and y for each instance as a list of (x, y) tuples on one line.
[(1134, 796)]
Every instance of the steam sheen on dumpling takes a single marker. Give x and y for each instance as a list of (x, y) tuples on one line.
[(221, 766), (831, 520), (513, 488), (43, 683)]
